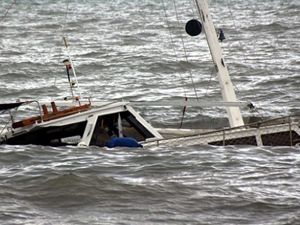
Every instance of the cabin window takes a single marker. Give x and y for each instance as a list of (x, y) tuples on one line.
[(54, 136), (107, 128), (66, 135)]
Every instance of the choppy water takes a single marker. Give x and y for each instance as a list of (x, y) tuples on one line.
[(122, 50), (200, 185)]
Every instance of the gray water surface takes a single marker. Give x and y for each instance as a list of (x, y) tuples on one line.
[(128, 50)]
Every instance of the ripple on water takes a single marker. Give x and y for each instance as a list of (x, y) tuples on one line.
[(128, 54)]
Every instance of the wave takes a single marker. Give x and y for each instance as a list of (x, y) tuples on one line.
[(271, 27), (46, 180)]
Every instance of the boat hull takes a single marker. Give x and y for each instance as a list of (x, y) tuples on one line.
[(275, 134), (51, 136)]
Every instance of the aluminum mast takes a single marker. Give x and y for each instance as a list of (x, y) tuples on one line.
[(228, 93)]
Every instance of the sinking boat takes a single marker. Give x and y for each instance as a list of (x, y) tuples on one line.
[(113, 124), (282, 131), (82, 125), (77, 122)]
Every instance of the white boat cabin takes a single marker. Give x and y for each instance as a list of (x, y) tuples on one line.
[(82, 125)]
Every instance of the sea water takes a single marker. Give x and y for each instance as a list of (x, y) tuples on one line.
[(133, 50)]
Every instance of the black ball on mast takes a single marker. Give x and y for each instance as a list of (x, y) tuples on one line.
[(193, 27)]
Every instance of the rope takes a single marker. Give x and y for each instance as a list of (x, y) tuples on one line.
[(14, 2)]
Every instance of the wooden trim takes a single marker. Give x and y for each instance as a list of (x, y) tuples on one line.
[(51, 115)]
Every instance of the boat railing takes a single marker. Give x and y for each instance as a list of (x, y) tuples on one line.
[(45, 115), (264, 123), (277, 123)]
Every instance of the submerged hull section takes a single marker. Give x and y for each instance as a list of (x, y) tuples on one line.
[(52, 136), (98, 126), (94, 126), (282, 133), (286, 138)]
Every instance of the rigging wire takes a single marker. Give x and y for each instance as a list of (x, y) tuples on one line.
[(170, 36), (171, 39), (235, 27), (173, 44), (177, 58), (5, 126), (14, 2), (62, 32), (213, 68), (251, 106), (71, 63), (209, 82), (184, 50), (193, 11), (195, 15), (66, 18)]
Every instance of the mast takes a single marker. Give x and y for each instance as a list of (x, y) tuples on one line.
[(228, 93), (70, 67)]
